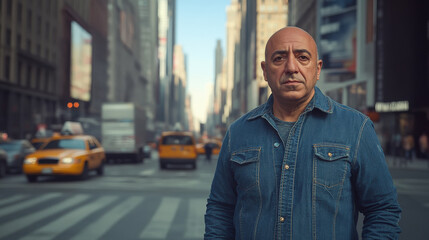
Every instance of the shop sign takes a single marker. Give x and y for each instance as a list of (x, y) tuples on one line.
[(399, 106)]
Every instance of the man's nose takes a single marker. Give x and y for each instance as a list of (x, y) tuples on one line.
[(291, 66)]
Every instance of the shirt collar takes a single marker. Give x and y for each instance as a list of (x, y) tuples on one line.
[(319, 101)]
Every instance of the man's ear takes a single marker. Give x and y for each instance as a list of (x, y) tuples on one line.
[(263, 65), (319, 68)]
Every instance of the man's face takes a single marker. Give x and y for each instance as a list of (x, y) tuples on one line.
[(291, 67)]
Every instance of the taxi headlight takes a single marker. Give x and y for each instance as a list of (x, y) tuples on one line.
[(67, 160), (31, 160)]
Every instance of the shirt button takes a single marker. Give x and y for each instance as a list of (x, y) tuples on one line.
[(276, 144), (282, 219), (286, 166)]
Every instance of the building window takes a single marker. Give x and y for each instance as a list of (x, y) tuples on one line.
[(19, 17), (7, 68), (39, 25), (8, 37), (38, 80), (29, 16), (28, 78), (18, 73), (9, 8), (28, 45), (47, 31)]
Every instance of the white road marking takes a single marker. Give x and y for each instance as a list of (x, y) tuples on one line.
[(29, 203), (25, 221), (160, 224), (61, 224), (195, 219), (105, 222), (148, 172), (11, 199)]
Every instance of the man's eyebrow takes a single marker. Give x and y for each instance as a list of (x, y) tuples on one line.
[(282, 52)]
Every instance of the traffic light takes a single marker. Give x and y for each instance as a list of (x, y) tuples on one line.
[(73, 105)]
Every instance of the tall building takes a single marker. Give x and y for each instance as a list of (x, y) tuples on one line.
[(402, 73), (271, 16), (166, 31), (149, 57), (52, 52), (233, 25), (358, 43), (178, 89), (258, 21)]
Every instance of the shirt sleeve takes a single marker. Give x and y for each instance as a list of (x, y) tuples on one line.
[(375, 191), (221, 202)]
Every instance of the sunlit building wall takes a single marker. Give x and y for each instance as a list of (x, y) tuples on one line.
[(233, 25), (166, 38), (244, 94), (150, 70), (178, 88), (271, 16)]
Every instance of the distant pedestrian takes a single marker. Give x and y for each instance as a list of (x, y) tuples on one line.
[(408, 146), (397, 148), (424, 147), (208, 148)]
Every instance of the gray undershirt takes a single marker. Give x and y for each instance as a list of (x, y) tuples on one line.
[(283, 128)]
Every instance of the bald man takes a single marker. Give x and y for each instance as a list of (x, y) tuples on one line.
[(300, 166)]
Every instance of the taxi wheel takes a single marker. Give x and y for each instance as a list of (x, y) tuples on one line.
[(31, 178), (84, 174), (100, 169)]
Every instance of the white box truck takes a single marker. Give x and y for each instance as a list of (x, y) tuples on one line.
[(123, 131)]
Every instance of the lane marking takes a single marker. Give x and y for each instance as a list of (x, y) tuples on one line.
[(28, 220), (148, 172), (28, 203), (160, 224), (195, 220), (61, 224), (14, 198), (105, 222)]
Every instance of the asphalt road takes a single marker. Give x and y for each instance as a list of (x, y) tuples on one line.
[(140, 201), (131, 201)]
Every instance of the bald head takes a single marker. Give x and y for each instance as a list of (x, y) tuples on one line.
[(290, 32)]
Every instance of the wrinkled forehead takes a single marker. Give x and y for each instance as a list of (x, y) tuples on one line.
[(291, 38)]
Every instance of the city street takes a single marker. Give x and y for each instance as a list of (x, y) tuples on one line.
[(131, 201), (139, 201)]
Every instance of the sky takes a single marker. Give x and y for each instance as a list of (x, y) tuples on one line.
[(199, 24)]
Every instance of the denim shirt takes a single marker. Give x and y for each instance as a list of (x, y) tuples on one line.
[(311, 187)]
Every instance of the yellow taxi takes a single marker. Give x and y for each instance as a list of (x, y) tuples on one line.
[(213, 143), (66, 155), (177, 147)]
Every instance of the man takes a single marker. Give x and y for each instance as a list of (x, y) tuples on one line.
[(300, 166)]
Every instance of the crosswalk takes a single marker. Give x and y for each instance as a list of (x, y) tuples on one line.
[(80, 216)]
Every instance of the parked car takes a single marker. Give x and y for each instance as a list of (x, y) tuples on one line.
[(16, 151), (66, 155), (177, 148), (3, 163)]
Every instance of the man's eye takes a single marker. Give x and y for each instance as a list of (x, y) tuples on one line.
[(303, 58), (277, 59)]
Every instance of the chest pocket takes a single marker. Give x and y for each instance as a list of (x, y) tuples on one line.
[(331, 164), (245, 165)]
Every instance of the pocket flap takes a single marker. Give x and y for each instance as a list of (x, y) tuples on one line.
[(246, 156), (331, 152)]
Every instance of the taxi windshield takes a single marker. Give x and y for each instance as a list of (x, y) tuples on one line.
[(66, 144), (177, 140)]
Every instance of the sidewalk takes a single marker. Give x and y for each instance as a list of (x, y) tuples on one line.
[(416, 163)]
